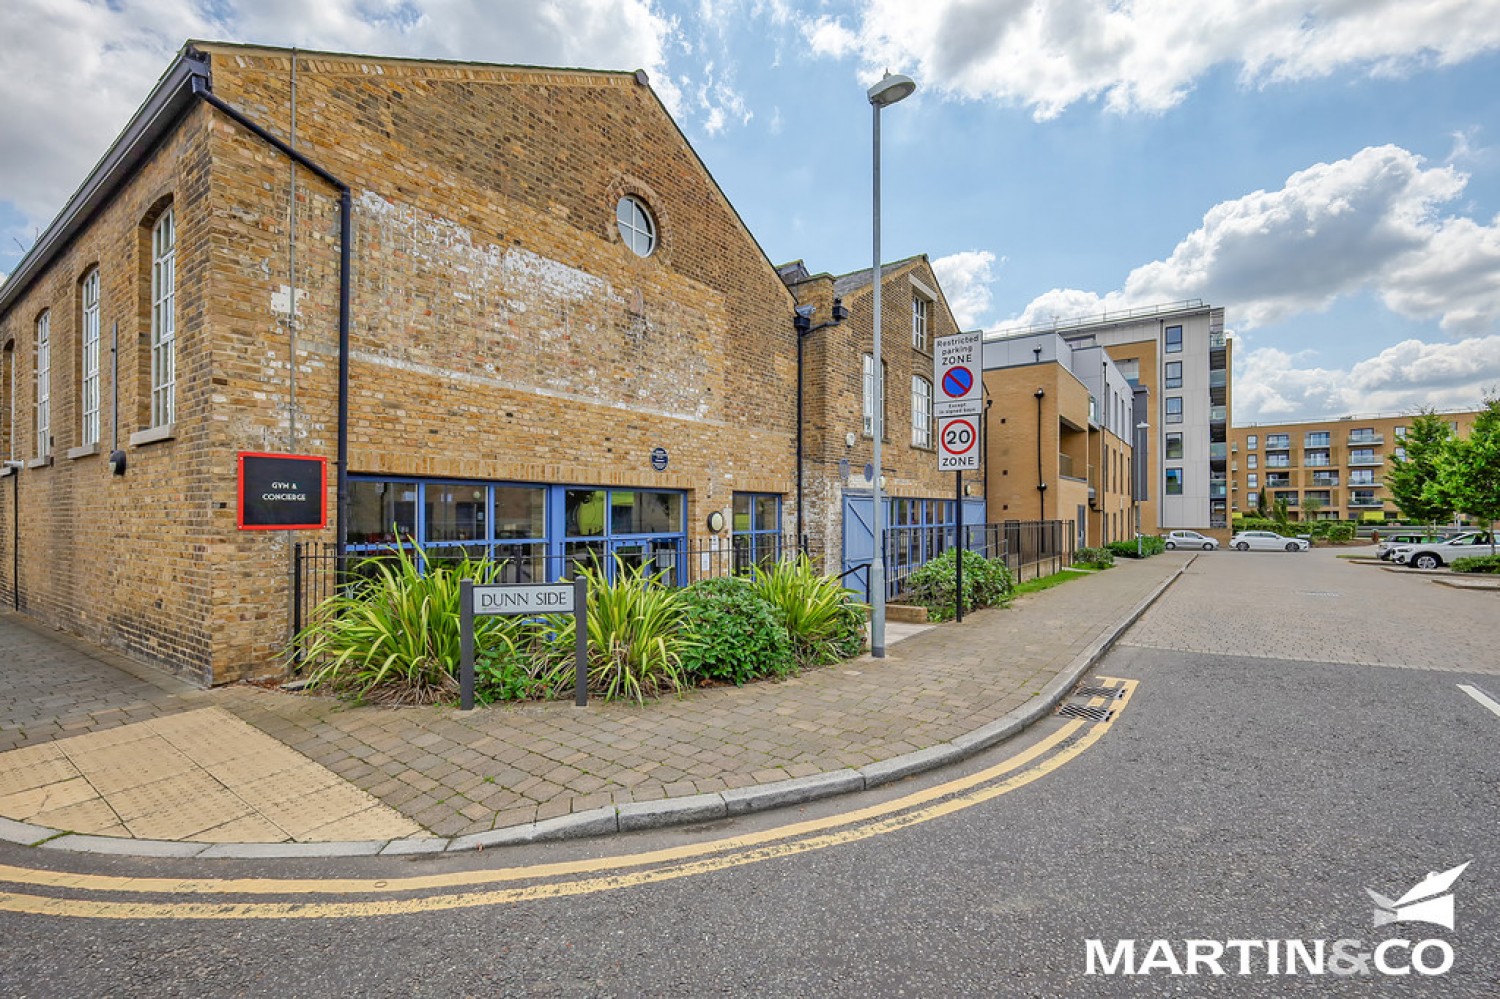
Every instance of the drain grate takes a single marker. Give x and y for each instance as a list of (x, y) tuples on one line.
[(1113, 693), (1079, 711)]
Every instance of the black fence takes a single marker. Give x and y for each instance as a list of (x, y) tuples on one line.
[(1022, 544), (1040, 546), (317, 572)]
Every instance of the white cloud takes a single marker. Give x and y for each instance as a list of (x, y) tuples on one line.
[(1367, 223), (73, 71), (966, 277), (1146, 55), (1269, 387)]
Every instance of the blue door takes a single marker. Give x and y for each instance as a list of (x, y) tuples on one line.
[(859, 539)]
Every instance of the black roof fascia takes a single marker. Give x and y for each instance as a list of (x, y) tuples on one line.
[(172, 96)]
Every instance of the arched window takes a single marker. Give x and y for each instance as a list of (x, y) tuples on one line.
[(44, 385), (88, 358), (164, 320)]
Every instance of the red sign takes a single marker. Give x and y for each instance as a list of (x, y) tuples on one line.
[(282, 492)]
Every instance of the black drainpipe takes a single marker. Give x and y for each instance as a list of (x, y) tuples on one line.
[(1041, 482), (802, 324), (201, 89)]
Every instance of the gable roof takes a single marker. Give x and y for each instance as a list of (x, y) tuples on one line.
[(847, 284)]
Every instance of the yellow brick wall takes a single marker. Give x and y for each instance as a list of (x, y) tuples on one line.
[(500, 330)]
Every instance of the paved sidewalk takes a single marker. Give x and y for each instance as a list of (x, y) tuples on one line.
[(453, 779)]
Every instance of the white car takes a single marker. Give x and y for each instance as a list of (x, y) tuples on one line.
[(1267, 541), (1435, 556), (1189, 539)]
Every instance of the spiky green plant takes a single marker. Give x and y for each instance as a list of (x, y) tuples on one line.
[(392, 635), (637, 632), (824, 619)]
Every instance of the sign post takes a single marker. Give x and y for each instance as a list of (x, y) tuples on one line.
[(526, 600), (958, 371)]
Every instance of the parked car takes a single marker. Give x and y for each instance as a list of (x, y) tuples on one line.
[(1267, 541), (1190, 539), (1394, 541), (1436, 555)]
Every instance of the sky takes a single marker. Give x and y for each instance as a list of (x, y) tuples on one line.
[(1327, 171)]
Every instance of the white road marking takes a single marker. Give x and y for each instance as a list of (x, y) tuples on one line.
[(1481, 697)]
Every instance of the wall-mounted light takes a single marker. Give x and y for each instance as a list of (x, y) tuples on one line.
[(716, 521), (117, 462)]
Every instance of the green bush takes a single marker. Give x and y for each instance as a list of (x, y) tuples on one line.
[(826, 623), (1478, 563), (987, 583), (393, 634), (637, 635), (521, 673), (1149, 545), (738, 635), (1099, 558)]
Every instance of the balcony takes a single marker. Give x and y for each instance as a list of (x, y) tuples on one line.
[(1218, 379), (1360, 500), (1215, 339), (1365, 440), (1282, 462), (1065, 466), (1364, 483), (1278, 483), (1316, 461), (1218, 452), (1367, 459), (1325, 479), (1218, 414), (1217, 490)]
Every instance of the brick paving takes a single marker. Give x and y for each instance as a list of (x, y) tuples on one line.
[(456, 773)]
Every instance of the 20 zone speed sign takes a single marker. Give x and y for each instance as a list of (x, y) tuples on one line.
[(958, 444)]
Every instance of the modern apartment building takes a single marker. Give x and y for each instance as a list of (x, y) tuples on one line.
[(1323, 469), (1058, 442), (1178, 353)]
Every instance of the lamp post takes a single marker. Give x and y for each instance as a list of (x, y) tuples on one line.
[(1138, 466), (890, 89)]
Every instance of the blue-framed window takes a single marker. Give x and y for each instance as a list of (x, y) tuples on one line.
[(917, 531), (537, 530), (641, 526), (756, 533), (1174, 339)]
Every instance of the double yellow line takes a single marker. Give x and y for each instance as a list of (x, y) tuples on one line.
[(297, 898)]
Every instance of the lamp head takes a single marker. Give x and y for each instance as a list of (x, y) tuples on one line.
[(891, 88), (839, 312), (1039, 393)]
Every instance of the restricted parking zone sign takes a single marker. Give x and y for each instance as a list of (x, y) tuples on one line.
[(958, 444)]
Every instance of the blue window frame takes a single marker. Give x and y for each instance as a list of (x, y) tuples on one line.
[(756, 531), (643, 527), (536, 530)]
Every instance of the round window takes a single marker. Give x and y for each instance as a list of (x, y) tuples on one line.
[(637, 227)]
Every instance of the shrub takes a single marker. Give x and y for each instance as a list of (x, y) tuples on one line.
[(520, 673), (393, 635), (824, 620), (637, 634), (1478, 563), (1149, 545), (738, 635), (987, 583), (1100, 558)]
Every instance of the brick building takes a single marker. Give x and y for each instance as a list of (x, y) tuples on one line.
[(1062, 438), (561, 339), (1322, 469), (839, 402)]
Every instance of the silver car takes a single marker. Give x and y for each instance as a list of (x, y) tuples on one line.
[(1267, 541), (1435, 556), (1189, 539)]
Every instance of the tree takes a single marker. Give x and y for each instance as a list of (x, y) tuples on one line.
[(1471, 470), (1310, 508), (1281, 512), (1416, 482), (1261, 508)]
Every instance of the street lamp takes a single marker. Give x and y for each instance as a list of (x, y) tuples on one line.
[(1139, 467), (887, 91)]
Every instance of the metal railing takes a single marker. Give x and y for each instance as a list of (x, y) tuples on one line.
[(318, 573)]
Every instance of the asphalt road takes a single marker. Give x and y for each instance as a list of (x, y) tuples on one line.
[(1235, 796)]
